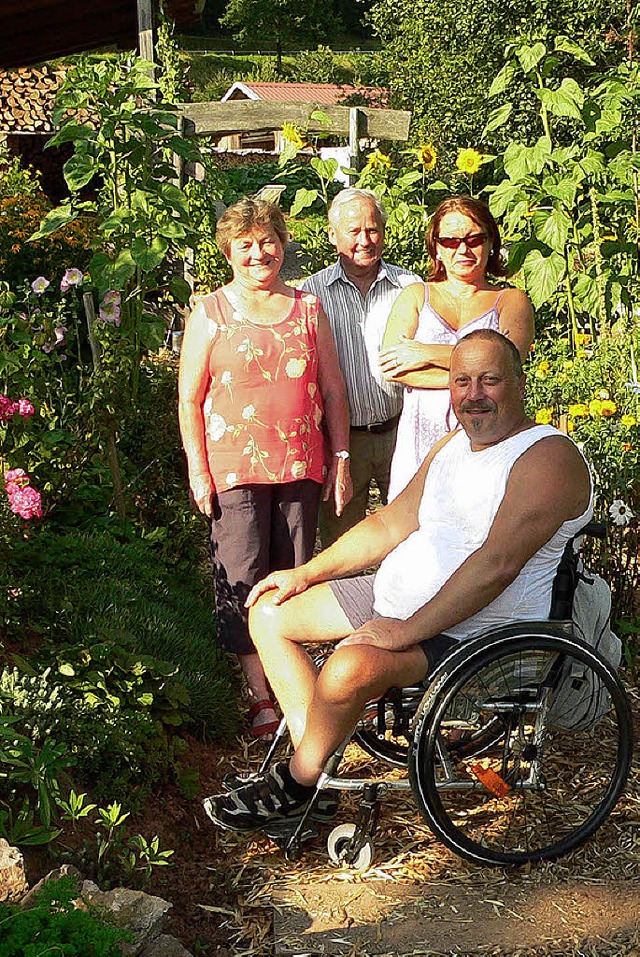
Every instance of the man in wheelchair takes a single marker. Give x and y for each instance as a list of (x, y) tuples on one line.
[(472, 542)]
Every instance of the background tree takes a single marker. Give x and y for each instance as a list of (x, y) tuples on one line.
[(280, 22), (441, 56)]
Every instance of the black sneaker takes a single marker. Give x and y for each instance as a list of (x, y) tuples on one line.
[(323, 811), (260, 803)]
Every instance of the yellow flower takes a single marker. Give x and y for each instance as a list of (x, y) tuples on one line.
[(608, 407), (595, 407), (544, 416), (583, 339), (567, 364), (378, 160), (469, 161), (427, 155), (628, 421), (579, 410), (543, 370), (570, 427), (292, 135)]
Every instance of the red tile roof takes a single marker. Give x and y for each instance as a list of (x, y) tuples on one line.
[(328, 94)]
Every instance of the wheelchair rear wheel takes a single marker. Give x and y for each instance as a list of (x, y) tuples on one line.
[(536, 788)]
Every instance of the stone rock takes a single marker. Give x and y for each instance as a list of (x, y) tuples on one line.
[(141, 914), (13, 882), (65, 871), (165, 946)]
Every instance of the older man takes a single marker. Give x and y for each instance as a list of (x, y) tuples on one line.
[(473, 541), (357, 293)]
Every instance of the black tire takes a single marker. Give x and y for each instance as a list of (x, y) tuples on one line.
[(573, 777)]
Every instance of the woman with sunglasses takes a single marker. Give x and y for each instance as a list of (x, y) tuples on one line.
[(429, 318)]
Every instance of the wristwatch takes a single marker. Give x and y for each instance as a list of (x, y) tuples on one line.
[(342, 454)]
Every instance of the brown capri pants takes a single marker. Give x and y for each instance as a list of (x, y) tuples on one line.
[(355, 597), (257, 529)]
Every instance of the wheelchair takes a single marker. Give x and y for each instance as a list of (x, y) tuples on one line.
[(498, 772)]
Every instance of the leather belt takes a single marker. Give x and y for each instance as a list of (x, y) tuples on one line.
[(378, 428)]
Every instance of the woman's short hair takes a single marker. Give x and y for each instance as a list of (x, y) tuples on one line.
[(480, 213), (241, 217), (351, 195)]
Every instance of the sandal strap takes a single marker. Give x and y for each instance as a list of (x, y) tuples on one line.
[(265, 704)]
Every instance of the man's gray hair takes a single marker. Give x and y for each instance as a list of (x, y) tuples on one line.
[(352, 195)]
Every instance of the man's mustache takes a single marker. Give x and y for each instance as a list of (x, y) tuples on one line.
[(485, 406)]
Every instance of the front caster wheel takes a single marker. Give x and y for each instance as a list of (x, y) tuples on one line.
[(339, 848)]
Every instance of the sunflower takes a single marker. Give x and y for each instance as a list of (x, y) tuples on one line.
[(378, 161), (427, 155), (469, 161), (292, 135)]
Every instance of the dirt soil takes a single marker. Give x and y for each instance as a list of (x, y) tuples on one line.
[(224, 887)]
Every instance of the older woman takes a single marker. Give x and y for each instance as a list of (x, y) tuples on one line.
[(429, 318), (262, 408)]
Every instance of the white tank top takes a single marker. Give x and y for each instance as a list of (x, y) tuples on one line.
[(462, 493)]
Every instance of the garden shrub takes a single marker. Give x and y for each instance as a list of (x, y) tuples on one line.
[(589, 394), (88, 589), (20, 217), (53, 925)]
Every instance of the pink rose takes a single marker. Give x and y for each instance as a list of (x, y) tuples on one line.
[(25, 408)]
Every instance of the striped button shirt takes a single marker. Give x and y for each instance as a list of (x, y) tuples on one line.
[(358, 324)]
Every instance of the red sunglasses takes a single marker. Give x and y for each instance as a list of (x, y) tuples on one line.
[(454, 242)]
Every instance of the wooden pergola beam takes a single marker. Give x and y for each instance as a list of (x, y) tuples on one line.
[(244, 116)]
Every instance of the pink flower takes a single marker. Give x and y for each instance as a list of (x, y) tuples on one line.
[(72, 277), (7, 408), (16, 476), (25, 408), (112, 296), (25, 502), (110, 312), (39, 285)]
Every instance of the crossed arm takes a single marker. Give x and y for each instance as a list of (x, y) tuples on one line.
[(426, 365)]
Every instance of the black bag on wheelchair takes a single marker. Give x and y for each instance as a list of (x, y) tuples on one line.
[(580, 699)]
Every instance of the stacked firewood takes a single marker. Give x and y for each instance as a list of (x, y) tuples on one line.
[(27, 98)]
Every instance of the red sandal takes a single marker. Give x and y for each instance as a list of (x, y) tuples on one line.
[(269, 727)]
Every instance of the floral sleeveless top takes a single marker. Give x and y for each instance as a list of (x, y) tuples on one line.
[(263, 409)]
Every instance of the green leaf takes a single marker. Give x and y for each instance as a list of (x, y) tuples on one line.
[(530, 56), (303, 198), (497, 118), (565, 190), (149, 256), (53, 221), (567, 100), (585, 290), (409, 179), (521, 161), (326, 169), (503, 80), (79, 170), (543, 275), (67, 669), (179, 288), (552, 228), (72, 131), (503, 196), (565, 45)]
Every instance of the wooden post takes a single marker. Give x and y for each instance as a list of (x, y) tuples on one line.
[(145, 32), (356, 123)]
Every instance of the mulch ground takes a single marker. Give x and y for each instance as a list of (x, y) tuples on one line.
[(223, 886)]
